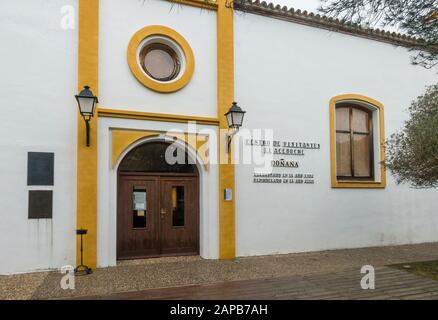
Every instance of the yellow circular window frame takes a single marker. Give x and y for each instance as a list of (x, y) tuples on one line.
[(140, 75)]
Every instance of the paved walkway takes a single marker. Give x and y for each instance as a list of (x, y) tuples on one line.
[(138, 276), (390, 284)]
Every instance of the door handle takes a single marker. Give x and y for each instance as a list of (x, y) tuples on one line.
[(163, 213)]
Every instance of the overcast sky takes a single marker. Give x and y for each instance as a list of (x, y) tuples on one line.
[(309, 5)]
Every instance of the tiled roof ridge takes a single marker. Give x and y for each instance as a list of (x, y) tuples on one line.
[(321, 21)]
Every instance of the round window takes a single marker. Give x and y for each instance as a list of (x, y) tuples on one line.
[(160, 62), (161, 59)]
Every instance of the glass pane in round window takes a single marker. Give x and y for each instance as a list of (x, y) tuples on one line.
[(160, 62)]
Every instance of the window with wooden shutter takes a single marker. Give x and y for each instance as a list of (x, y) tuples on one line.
[(354, 143)]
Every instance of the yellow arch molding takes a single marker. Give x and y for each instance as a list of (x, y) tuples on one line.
[(140, 75), (357, 184), (122, 139)]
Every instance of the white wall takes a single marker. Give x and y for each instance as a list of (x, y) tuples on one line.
[(285, 76), (119, 89), (38, 113)]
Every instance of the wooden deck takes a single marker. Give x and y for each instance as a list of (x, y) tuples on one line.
[(390, 284)]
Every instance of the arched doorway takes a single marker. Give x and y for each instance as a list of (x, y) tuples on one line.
[(158, 204)]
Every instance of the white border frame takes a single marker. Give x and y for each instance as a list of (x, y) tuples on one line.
[(107, 187)]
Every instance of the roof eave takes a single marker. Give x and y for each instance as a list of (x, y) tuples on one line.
[(315, 20)]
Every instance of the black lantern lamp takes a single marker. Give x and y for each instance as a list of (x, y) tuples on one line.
[(87, 106), (235, 120)]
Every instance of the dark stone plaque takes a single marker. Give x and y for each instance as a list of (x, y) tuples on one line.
[(40, 168), (40, 204)]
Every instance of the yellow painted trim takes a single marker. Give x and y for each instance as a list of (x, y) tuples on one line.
[(357, 184), (225, 56), (122, 139), (140, 75), (114, 113), (203, 4), (87, 156)]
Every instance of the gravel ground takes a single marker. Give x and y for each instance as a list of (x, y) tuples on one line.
[(171, 272), (22, 286)]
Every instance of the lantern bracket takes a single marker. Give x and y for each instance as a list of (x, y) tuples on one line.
[(230, 137)]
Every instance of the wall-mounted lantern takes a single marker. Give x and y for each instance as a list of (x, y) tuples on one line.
[(235, 120), (87, 106)]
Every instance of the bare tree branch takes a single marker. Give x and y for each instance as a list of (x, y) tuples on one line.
[(416, 18)]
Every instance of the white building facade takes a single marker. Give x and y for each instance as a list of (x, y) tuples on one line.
[(304, 173)]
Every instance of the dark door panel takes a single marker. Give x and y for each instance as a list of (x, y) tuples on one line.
[(137, 223), (157, 216), (179, 216)]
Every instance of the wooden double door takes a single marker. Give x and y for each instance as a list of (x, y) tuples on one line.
[(157, 216)]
